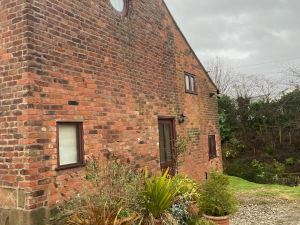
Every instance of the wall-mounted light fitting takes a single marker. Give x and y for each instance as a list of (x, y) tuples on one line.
[(181, 118)]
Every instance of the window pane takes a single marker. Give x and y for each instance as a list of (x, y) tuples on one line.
[(118, 4), (68, 144), (161, 143), (212, 146), (168, 142), (187, 82), (192, 84)]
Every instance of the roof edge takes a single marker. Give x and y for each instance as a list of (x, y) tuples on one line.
[(198, 60)]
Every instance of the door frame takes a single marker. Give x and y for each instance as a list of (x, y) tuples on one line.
[(172, 120)]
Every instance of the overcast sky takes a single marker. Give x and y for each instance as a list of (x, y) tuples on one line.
[(255, 36)]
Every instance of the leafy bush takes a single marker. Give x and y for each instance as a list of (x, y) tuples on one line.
[(159, 193), (267, 173), (240, 168), (203, 221), (189, 189), (100, 215), (290, 161), (117, 194), (88, 211), (215, 197), (200, 221), (188, 194), (256, 171), (269, 149), (181, 146), (232, 148), (278, 169), (179, 211), (114, 186)]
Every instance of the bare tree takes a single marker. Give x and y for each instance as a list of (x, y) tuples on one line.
[(255, 87), (294, 73), (267, 89), (245, 86), (222, 74), (230, 82)]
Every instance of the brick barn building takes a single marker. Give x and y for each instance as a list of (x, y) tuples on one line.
[(79, 78)]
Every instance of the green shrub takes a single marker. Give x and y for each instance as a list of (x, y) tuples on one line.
[(89, 211), (256, 171), (159, 193), (232, 148), (278, 168), (100, 215), (185, 203), (240, 168), (115, 184), (112, 186), (181, 146), (269, 149), (179, 211), (260, 171), (267, 172), (200, 221), (189, 189), (290, 161), (215, 197)]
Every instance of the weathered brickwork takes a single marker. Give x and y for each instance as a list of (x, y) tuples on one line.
[(15, 150), (124, 72)]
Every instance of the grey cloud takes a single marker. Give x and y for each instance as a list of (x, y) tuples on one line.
[(269, 30)]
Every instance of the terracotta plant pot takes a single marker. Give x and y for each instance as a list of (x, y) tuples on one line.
[(220, 220)]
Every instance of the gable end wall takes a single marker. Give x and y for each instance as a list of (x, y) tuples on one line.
[(124, 72)]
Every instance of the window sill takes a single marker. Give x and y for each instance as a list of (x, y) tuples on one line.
[(213, 157), (190, 92), (70, 166)]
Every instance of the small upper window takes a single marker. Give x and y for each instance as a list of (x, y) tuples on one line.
[(190, 83), (120, 5)]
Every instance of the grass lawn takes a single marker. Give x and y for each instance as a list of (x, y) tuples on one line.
[(242, 187)]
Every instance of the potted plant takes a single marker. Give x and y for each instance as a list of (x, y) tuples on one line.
[(216, 202), (158, 195)]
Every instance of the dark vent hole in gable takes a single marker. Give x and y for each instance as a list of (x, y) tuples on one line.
[(73, 103)]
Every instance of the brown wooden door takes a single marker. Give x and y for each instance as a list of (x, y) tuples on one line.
[(166, 144)]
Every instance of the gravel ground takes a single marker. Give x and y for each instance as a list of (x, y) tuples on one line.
[(267, 211)]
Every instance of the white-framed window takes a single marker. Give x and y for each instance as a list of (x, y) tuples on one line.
[(120, 6), (190, 83)]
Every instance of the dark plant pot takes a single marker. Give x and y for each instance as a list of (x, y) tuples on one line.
[(220, 220)]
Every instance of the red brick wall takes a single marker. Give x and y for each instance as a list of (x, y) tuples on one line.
[(124, 72), (14, 109), (201, 110)]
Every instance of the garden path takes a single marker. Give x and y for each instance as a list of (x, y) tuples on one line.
[(267, 211)]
